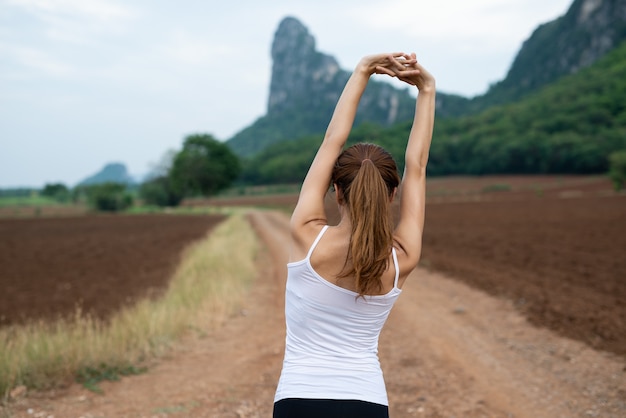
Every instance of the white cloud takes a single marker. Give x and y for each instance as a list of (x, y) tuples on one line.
[(103, 10), (33, 60), (79, 22), (196, 50), (492, 24)]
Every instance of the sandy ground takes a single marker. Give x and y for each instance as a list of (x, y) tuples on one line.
[(447, 351)]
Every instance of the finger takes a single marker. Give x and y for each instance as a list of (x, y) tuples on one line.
[(385, 70), (403, 63), (407, 62), (407, 80)]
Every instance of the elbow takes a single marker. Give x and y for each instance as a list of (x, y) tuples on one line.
[(416, 165)]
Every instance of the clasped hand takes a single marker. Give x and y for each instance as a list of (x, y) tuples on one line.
[(402, 66)]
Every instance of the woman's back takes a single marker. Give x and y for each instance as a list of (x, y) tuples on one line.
[(332, 334), (330, 258)]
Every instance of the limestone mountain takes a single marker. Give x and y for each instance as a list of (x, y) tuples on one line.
[(305, 86)]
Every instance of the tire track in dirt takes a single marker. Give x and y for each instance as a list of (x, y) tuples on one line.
[(446, 351)]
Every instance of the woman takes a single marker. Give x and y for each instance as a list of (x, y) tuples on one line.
[(343, 280)]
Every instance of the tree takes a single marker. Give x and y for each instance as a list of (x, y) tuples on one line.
[(203, 167), (56, 191), (159, 191), (108, 197)]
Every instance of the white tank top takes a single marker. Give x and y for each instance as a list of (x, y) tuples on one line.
[(331, 349)]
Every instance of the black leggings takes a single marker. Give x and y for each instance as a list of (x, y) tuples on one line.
[(328, 408)]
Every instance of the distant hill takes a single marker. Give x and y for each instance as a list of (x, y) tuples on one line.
[(569, 126), (306, 84), (111, 173)]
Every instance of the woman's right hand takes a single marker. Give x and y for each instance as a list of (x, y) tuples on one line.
[(409, 70), (384, 63)]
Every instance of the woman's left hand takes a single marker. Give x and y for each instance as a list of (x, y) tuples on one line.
[(385, 63), (408, 70)]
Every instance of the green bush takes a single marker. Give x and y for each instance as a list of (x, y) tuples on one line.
[(159, 192), (617, 169), (56, 191), (108, 197)]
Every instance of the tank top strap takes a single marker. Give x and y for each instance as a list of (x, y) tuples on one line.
[(396, 266), (319, 237)]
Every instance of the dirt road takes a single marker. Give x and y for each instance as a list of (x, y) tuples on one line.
[(447, 351)]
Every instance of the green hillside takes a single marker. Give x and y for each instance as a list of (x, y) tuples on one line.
[(560, 47), (569, 126)]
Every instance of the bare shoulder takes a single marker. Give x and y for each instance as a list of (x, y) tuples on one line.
[(302, 237)]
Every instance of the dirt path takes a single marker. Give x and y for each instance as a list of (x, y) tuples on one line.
[(447, 351)]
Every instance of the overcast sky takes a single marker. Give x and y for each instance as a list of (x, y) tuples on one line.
[(87, 82)]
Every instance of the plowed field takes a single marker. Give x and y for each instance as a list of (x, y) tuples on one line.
[(561, 261), (51, 266)]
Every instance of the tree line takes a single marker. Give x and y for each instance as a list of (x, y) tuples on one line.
[(204, 166)]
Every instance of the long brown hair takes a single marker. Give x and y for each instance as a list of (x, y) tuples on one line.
[(366, 176)]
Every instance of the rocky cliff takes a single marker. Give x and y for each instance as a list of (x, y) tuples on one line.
[(298, 70), (306, 78), (588, 30), (304, 89)]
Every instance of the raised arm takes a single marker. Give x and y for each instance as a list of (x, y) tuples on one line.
[(310, 206), (408, 234)]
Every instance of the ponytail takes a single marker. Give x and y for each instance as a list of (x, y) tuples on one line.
[(367, 176), (368, 200)]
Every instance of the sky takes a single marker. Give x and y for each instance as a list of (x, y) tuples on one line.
[(87, 82)]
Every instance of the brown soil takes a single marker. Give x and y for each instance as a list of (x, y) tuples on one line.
[(51, 266), (561, 261), (541, 347)]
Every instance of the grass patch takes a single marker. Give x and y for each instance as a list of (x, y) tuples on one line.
[(186, 210), (206, 287), (91, 376), (30, 201)]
